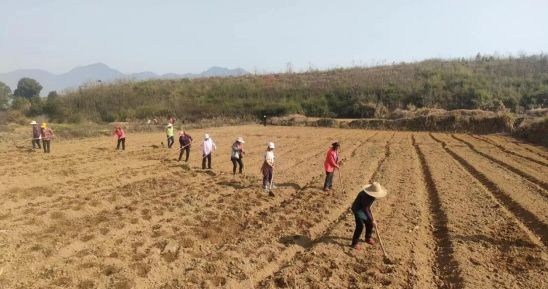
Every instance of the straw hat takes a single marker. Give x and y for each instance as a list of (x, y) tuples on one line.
[(33, 122), (169, 125), (271, 145), (206, 136), (375, 190), (43, 125), (240, 139)]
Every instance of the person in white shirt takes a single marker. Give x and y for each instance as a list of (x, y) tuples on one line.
[(208, 147), (268, 166)]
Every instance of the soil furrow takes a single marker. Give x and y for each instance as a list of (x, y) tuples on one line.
[(520, 172), (530, 220), (502, 148), (446, 265)]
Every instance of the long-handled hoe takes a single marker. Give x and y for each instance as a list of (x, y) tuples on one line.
[(340, 181), (387, 259)]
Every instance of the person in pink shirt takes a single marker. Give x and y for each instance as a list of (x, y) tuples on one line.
[(121, 135), (331, 163)]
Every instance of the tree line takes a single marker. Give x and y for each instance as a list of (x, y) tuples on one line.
[(484, 82)]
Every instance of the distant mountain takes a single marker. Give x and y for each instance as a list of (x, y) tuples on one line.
[(100, 72)]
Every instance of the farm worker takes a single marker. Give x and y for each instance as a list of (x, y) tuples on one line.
[(268, 165), (362, 212), (208, 147), (36, 135), (47, 136), (121, 135), (331, 163), (264, 120), (237, 154), (169, 133), (184, 144)]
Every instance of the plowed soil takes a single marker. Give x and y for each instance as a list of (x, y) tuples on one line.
[(463, 211)]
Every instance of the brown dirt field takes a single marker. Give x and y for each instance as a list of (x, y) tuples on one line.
[(463, 211)]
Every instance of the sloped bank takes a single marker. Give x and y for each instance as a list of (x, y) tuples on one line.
[(533, 129)]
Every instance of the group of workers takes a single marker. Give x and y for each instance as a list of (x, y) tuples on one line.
[(361, 207), (42, 134)]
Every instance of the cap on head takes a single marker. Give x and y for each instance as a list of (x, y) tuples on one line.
[(271, 145), (335, 145), (44, 125)]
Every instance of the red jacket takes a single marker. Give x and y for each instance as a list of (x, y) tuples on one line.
[(331, 160)]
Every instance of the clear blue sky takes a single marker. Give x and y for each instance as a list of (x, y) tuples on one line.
[(190, 36)]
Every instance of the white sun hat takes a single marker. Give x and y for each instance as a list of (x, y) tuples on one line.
[(33, 122), (206, 136), (240, 139), (271, 145), (169, 125), (375, 190)]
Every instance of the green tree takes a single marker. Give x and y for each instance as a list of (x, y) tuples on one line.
[(52, 107), (27, 88), (5, 93)]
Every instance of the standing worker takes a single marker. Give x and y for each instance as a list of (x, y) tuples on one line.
[(47, 135), (237, 154), (268, 166), (36, 135), (184, 144), (169, 133), (264, 120), (331, 163), (362, 212), (208, 147), (121, 136)]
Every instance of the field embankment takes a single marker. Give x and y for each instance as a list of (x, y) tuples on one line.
[(530, 128)]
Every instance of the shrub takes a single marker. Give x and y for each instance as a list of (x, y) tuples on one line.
[(534, 130)]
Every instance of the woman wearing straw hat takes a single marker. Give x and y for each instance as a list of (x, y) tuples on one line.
[(169, 133), (36, 135), (47, 135), (208, 147), (237, 154), (331, 163), (268, 166), (362, 212)]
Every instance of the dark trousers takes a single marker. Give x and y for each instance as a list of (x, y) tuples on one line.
[(45, 145), (328, 184), (36, 142), (267, 176), (187, 150), (359, 228), (235, 163), (170, 141), (123, 142), (208, 157)]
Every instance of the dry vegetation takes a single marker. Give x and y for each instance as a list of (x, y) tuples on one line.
[(464, 211)]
